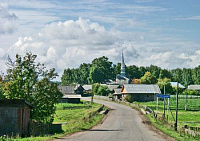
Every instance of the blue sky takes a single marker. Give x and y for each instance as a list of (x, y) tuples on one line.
[(65, 34)]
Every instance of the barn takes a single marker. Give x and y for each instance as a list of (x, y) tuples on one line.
[(140, 92), (14, 117)]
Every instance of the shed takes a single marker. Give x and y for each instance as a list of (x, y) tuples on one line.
[(87, 88), (14, 117), (71, 93), (194, 87), (70, 98), (140, 92)]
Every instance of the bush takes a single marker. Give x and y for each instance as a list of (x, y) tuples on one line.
[(128, 98)]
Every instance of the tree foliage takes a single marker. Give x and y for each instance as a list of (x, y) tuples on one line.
[(148, 78), (165, 83), (100, 89), (102, 69), (31, 81)]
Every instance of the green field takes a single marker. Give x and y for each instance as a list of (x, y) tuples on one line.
[(73, 117), (189, 117)]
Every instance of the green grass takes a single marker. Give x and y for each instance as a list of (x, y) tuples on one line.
[(75, 118), (184, 117)]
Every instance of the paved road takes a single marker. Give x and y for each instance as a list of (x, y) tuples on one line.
[(121, 124)]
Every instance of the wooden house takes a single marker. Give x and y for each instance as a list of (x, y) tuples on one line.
[(71, 94), (140, 92), (14, 117)]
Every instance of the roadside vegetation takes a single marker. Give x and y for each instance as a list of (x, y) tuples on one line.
[(73, 117), (187, 117)]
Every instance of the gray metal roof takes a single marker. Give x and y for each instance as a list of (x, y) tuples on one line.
[(72, 96), (117, 91), (67, 89), (112, 87), (174, 84), (194, 87), (142, 88), (87, 87)]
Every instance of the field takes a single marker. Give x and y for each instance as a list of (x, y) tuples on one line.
[(189, 117), (73, 117)]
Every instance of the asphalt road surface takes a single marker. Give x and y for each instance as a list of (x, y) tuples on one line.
[(122, 124)]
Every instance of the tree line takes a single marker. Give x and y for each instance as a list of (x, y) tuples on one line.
[(101, 69)]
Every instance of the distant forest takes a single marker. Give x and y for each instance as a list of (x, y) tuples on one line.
[(101, 69)]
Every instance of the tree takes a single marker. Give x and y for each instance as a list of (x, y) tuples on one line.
[(100, 70), (84, 73), (66, 78), (98, 89), (103, 90), (165, 83), (133, 71), (31, 81), (148, 79)]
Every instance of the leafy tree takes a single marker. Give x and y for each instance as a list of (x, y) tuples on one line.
[(101, 69), (164, 74), (133, 71), (66, 78), (148, 79), (98, 89), (154, 70), (177, 75), (95, 88), (117, 68), (31, 81), (84, 73), (165, 83), (142, 71), (103, 90), (190, 92)]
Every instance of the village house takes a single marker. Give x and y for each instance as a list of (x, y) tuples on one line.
[(14, 117), (71, 94), (140, 92), (194, 87)]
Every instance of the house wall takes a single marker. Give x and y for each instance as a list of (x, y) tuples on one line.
[(14, 121), (8, 121), (142, 97), (69, 100)]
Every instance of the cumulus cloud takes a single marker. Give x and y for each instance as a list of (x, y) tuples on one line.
[(7, 20), (67, 44)]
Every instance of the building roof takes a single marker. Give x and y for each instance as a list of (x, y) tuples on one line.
[(174, 84), (72, 96), (87, 87), (117, 91), (15, 103), (141, 88), (112, 87), (194, 87)]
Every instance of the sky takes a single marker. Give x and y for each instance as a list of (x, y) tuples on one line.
[(67, 33)]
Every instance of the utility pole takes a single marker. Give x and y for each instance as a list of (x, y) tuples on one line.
[(164, 104), (175, 125)]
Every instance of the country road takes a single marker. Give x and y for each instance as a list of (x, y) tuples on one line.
[(122, 124)]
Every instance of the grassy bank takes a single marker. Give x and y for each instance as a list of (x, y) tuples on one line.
[(189, 117), (73, 117)]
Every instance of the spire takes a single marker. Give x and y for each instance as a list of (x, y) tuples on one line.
[(122, 65)]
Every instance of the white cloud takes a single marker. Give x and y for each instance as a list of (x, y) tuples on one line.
[(68, 44), (7, 20)]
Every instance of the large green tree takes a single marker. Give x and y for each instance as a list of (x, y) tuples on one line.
[(31, 81), (100, 70)]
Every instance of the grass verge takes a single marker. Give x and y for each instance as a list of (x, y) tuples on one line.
[(73, 117)]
